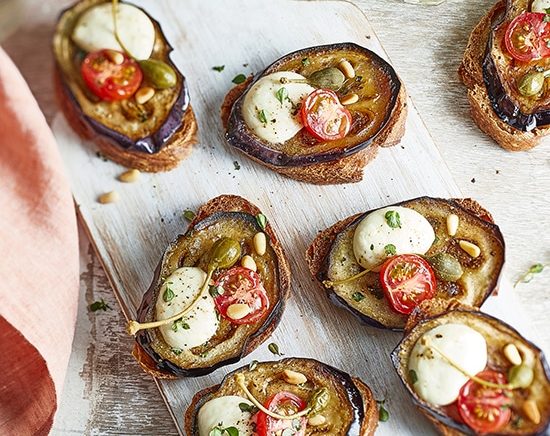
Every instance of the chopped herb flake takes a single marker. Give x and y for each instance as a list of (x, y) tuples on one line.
[(99, 305), (305, 62), (412, 376), (238, 79), (218, 68), (393, 219), (261, 220), (390, 250), (358, 296), (537, 268), (281, 94), (176, 351), (236, 165), (262, 116), (189, 215), (168, 294), (274, 348), (253, 365)]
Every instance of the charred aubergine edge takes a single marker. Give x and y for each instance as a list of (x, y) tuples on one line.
[(152, 127), (277, 119), (232, 250), (491, 351), (450, 248), (331, 401)]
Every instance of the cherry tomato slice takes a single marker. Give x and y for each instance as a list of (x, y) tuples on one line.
[(283, 403), (108, 80), (324, 116), (242, 285), (483, 409), (407, 279), (527, 37)]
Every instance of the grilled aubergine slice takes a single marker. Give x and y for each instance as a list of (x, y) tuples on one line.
[(152, 135), (488, 349), (348, 98), (240, 304), (405, 253), (336, 403), (508, 94)]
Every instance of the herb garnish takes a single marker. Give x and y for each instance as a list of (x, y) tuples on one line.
[(180, 323), (99, 305), (546, 18), (176, 351), (218, 68), (220, 431), (215, 291), (383, 414), (390, 250), (252, 366), (537, 268), (189, 215), (393, 219), (305, 62), (261, 220), (274, 348), (236, 165), (245, 407), (281, 94), (358, 296), (262, 116), (168, 295), (413, 376), (238, 79)]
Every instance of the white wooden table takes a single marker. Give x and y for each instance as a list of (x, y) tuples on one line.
[(106, 393)]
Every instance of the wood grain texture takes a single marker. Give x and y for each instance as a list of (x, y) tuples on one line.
[(425, 45)]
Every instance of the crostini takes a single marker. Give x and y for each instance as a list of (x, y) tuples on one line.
[(219, 291), (505, 67), (290, 397), (117, 86), (380, 264), (470, 373), (318, 114)]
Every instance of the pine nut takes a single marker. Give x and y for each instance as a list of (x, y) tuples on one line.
[(260, 243), (470, 248), (114, 56), (108, 197), (316, 420), (129, 176), (349, 99), (347, 69), (238, 310), (452, 224), (532, 411), (512, 354), (248, 262), (143, 95), (294, 377)]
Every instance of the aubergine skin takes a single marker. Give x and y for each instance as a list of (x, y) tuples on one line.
[(240, 136), (353, 401), (146, 338), (400, 355), (343, 226), (165, 130), (505, 105)]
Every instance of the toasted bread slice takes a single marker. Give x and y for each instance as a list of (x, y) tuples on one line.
[(227, 215), (124, 131), (471, 74), (351, 410), (331, 253), (432, 313), (342, 164)]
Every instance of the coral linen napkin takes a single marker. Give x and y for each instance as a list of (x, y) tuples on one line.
[(38, 263)]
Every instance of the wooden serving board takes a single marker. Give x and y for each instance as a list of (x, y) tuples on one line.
[(131, 235)]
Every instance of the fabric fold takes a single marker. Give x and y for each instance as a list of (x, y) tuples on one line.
[(39, 265)]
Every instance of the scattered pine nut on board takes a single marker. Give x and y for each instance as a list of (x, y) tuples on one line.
[(130, 234)]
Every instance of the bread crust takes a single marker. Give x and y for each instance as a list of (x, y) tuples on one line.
[(178, 147), (233, 203), (368, 426), (481, 109), (345, 170)]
